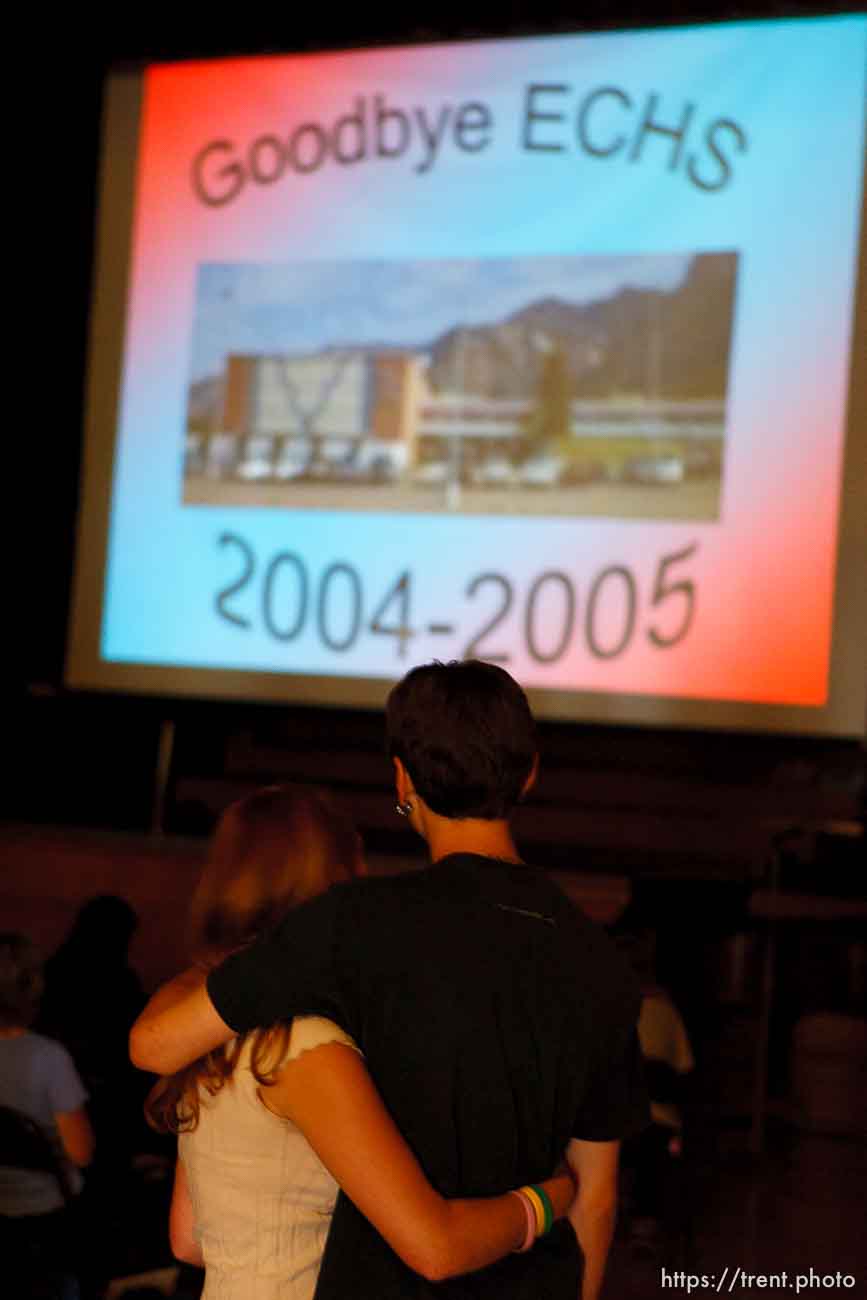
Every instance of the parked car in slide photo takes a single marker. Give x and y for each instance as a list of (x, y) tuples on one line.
[(541, 471), (495, 472), (432, 473), (660, 470)]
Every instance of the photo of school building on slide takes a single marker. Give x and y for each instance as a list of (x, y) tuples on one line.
[(314, 386)]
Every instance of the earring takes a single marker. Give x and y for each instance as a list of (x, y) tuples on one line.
[(403, 808)]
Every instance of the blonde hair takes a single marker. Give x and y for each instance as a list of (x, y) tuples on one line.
[(271, 851)]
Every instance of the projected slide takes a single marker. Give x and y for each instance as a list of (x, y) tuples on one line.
[(538, 350)]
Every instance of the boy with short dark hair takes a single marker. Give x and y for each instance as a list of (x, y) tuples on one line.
[(466, 733), (498, 1023)]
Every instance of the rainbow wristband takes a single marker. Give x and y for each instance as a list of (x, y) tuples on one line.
[(532, 1195), (547, 1208), (531, 1223)]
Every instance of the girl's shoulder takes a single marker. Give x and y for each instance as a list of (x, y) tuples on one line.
[(310, 1032)]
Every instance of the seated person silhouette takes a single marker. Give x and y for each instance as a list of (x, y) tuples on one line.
[(43, 1098), (654, 1155), (91, 969)]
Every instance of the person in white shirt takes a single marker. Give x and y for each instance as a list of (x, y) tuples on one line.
[(253, 1199)]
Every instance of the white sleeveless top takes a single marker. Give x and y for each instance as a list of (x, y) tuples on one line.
[(262, 1200)]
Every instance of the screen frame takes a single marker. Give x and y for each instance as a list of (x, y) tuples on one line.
[(844, 714)]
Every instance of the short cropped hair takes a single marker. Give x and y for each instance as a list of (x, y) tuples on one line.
[(465, 734), (21, 981)]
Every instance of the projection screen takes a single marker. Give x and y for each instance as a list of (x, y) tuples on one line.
[(549, 351)]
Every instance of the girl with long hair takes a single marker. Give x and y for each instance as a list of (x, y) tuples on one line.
[(270, 1124)]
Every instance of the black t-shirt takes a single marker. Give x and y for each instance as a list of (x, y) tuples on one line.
[(497, 1022)]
